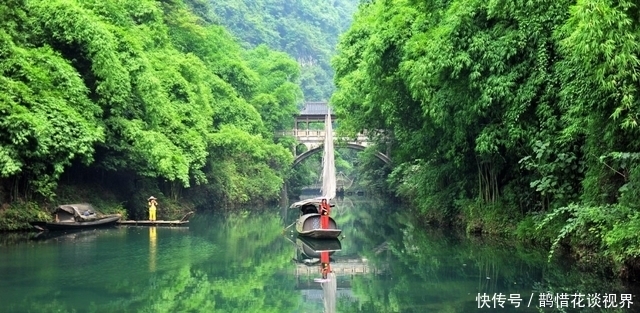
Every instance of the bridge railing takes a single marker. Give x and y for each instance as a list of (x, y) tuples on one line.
[(306, 135), (301, 132)]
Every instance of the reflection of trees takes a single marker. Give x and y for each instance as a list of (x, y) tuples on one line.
[(225, 265), (365, 227), (234, 264), (429, 271), (239, 275)]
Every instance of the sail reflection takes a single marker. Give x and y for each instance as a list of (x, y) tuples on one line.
[(329, 290)]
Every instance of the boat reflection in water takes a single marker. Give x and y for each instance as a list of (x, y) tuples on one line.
[(312, 252), (79, 236)]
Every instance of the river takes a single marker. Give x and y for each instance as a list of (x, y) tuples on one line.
[(245, 262)]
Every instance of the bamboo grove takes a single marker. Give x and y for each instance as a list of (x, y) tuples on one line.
[(505, 115), (139, 97)]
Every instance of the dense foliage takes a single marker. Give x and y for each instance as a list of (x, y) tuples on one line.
[(504, 111), (147, 96), (306, 30)]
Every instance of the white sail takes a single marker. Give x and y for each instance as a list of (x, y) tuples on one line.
[(328, 161)]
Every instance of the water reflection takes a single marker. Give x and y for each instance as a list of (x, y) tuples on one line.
[(152, 248), (318, 252), (75, 236), (329, 289), (241, 263)]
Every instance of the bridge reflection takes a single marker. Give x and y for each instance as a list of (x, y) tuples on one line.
[(322, 275), (342, 267)]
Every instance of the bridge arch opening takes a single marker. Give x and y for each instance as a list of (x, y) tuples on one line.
[(352, 146)]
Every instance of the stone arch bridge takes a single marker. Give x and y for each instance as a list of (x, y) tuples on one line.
[(315, 113)]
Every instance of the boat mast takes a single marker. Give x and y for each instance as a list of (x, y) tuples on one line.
[(328, 173), (328, 161)]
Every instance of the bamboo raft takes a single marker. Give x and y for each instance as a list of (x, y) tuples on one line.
[(181, 222)]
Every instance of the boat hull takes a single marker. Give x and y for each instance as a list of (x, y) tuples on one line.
[(308, 225), (53, 226)]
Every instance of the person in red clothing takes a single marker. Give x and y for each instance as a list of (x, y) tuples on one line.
[(325, 210)]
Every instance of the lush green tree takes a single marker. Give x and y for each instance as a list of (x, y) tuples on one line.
[(244, 168), (148, 92), (138, 91), (277, 94), (306, 30), (47, 119), (500, 109)]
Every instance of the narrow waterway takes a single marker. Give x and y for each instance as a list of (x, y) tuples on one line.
[(245, 262)]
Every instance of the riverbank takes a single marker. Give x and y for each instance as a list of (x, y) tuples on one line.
[(16, 216), (597, 241)]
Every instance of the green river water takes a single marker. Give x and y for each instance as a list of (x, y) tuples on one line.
[(244, 262)]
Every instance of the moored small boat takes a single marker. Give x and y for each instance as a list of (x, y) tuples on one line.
[(76, 216)]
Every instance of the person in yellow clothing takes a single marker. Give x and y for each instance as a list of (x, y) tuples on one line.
[(152, 208)]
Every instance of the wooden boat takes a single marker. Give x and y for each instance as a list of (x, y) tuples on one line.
[(76, 216), (308, 224), (181, 222)]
